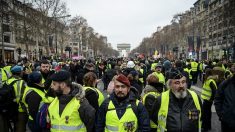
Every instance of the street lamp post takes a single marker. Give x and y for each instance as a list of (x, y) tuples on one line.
[(2, 32), (56, 32)]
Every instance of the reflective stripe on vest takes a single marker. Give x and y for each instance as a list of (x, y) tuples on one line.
[(100, 95), (163, 111), (67, 128), (68, 120), (114, 124), (206, 89)]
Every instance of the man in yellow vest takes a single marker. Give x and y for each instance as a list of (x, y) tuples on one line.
[(92, 94), (208, 95), (69, 111), (178, 109), (32, 97), (194, 71), (152, 90), (122, 112), (19, 87), (158, 73)]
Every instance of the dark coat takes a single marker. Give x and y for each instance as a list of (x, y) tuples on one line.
[(178, 114), (143, 118), (86, 111), (225, 102), (108, 76)]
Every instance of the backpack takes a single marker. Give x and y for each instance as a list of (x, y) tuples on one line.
[(41, 117), (8, 106)]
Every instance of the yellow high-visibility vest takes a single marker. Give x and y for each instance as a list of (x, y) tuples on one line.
[(114, 124), (160, 76), (26, 92), (100, 95), (155, 94), (69, 120), (206, 89), (163, 111), (18, 91)]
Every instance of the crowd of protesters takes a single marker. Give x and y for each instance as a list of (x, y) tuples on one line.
[(138, 94)]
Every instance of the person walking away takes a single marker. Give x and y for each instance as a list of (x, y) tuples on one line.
[(208, 95), (92, 94), (19, 87), (152, 90), (32, 98)]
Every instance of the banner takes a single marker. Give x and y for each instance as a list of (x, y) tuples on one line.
[(190, 44), (50, 40), (156, 52), (198, 43)]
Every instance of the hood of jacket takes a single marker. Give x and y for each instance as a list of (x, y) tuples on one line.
[(214, 77), (149, 88), (78, 91)]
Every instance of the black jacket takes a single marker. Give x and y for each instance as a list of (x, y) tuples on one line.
[(178, 114), (225, 102), (143, 118), (92, 97)]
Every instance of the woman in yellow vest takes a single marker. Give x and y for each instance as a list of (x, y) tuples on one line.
[(208, 95), (69, 111), (92, 94), (152, 90)]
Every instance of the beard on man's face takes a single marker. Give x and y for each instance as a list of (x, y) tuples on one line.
[(120, 94), (181, 93), (45, 71)]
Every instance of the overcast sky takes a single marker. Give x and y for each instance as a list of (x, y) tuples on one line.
[(127, 21)]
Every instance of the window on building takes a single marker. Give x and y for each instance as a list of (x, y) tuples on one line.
[(7, 39)]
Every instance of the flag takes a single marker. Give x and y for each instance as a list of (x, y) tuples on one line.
[(198, 43), (190, 44)]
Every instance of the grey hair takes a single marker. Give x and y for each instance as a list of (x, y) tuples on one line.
[(168, 82)]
